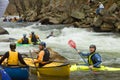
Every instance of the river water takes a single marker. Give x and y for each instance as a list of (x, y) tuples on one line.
[(107, 45)]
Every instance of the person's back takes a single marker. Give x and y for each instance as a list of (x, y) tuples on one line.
[(24, 40), (50, 35), (34, 38), (13, 57)]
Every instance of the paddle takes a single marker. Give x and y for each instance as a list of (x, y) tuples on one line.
[(38, 74), (73, 45)]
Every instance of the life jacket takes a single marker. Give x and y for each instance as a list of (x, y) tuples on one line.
[(33, 38), (25, 41), (90, 61), (13, 58), (46, 58)]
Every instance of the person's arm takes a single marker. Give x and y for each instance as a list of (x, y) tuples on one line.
[(98, 60), (84, 54), (21, 59), (37, 36), (29, 40), (40, 57), (6, 55), (19, 41)]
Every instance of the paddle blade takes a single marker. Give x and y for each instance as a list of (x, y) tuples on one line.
[(72, 44)]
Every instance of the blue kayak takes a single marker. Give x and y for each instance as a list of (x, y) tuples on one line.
[(4, 75), (17, 72)]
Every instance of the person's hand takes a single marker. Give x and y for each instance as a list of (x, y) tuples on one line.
[(78, 51), (91, 66), (33, 62)]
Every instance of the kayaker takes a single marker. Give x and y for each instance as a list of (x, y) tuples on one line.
[(24, 40), (34, 38), (50, 35), (43, 55), (13, 57), (94, 59)]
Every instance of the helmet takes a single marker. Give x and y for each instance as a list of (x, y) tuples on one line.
[(24, 35), (92, 46), (12, 45), (43, 44), (32, 32)]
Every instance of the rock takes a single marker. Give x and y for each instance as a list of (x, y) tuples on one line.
[(109, 19), (55, 56), (68, 20), (86, 7), (89, 20), (49, 20), (31, 16), (97, 21), (3, 31), (107, 27), (53, 20), (117, 25), (85, 26), (78, 15), (112, 8), (76, 24)]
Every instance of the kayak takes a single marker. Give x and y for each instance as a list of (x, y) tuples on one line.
[(63, 68), (18, 44), (4, 75), (83, 67), (17, 72), (58, 69)]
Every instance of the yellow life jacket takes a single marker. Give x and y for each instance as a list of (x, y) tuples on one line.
[(13, 58), (90, 62)]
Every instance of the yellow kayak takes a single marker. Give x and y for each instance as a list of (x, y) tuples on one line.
[(58, 69), (82, 67), (63, 69)]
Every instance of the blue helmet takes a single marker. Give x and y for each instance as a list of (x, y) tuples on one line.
[(43, 44)]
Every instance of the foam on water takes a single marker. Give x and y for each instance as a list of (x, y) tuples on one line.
[(105, 42)]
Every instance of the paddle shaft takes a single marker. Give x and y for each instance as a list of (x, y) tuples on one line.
[(82, 57), (38, 74)]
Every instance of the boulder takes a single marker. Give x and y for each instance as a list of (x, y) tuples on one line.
[(78, 15), (97, 21), (49, 20), (117, 25), (112, 8), (109, 19), (107, 27), (55, 56), (3, 31), (76, 24)]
